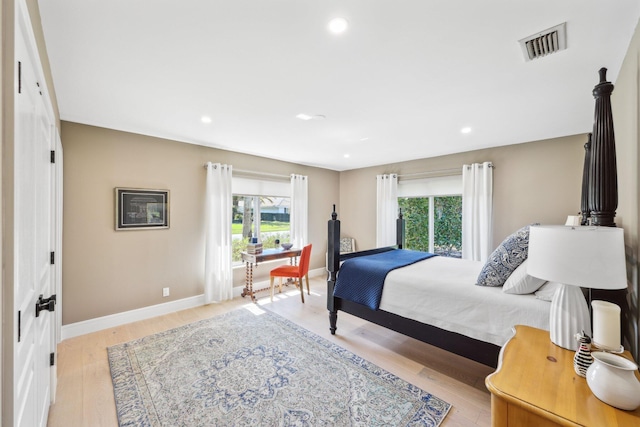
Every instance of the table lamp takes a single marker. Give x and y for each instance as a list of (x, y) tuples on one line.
[(588, 257)]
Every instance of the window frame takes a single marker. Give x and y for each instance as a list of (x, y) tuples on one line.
[(430, 188), (257, 188)]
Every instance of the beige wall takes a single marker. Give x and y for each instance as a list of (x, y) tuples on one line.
[(625, 103), (532, 182), (107, 271)]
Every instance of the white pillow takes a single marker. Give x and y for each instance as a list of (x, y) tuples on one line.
[(547, 291), (520, 283)]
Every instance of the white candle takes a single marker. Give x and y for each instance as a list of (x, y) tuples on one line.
[(606, 325)]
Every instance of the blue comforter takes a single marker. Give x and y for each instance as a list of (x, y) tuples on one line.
[(361, 279)]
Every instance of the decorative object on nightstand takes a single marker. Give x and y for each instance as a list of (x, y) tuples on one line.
[(612, 379), (589, 257), (606, 326), (583, 359)]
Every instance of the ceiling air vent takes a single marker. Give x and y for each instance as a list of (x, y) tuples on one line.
[(544, 43)]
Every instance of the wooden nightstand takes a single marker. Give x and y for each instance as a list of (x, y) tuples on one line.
[(535, 385)]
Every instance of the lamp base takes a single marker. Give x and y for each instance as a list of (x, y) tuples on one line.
[(569, 316)]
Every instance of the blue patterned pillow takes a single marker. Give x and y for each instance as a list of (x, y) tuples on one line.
[(505, 259)]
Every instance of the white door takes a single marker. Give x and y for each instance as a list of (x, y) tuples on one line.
[(56, 236), (33, 281)]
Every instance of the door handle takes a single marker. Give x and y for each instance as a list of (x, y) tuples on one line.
[(45, 304)]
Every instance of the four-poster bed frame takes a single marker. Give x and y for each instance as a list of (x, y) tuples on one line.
[(480, 351)]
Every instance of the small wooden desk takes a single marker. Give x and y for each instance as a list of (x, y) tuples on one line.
[(267, 255), (535, 385)]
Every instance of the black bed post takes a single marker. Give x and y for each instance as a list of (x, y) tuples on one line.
[(585, 213), (333, 263), (400, 230), (603, 178)]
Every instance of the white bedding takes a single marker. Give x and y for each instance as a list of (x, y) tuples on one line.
[(441, 291)]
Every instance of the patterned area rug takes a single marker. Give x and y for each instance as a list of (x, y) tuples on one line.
[(247, 369)]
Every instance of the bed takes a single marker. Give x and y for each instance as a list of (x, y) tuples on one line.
[(436, 301), (455, 342)]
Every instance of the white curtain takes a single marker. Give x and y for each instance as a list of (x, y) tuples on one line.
[(218, 275), (477, 206), (299, 210), (387, 210)]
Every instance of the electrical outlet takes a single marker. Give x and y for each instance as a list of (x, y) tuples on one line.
[(165, 292)]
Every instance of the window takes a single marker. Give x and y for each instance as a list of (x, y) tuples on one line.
[(433, 224), (432, 209), (260, 209), (259, 216)]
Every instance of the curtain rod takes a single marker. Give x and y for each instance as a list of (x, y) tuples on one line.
[(256, 173), (481, 164)]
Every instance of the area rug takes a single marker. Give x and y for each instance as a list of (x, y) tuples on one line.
[(258, 369)]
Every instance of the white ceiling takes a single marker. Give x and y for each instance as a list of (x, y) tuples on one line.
[(398, 85)]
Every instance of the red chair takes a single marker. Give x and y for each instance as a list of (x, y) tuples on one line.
[(294, 271)]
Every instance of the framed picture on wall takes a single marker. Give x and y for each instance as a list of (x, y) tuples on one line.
[(138, 209)]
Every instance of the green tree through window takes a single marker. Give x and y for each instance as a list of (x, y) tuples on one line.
[(446, 215), (416, 215), (265, 217)]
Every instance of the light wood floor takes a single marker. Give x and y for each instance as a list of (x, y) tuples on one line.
[(85, 393)]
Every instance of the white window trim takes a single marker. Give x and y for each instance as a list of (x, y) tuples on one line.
[(432, 226)]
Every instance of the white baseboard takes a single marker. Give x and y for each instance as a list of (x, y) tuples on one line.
[(118, 319), (100, 323)]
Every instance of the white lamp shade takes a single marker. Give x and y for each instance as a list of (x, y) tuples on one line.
[(573, 220), (590, 257)]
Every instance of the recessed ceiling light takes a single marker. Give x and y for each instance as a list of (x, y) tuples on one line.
[(303, 116), (205, 119), (346, 155), (338, 25), (465, 130)]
